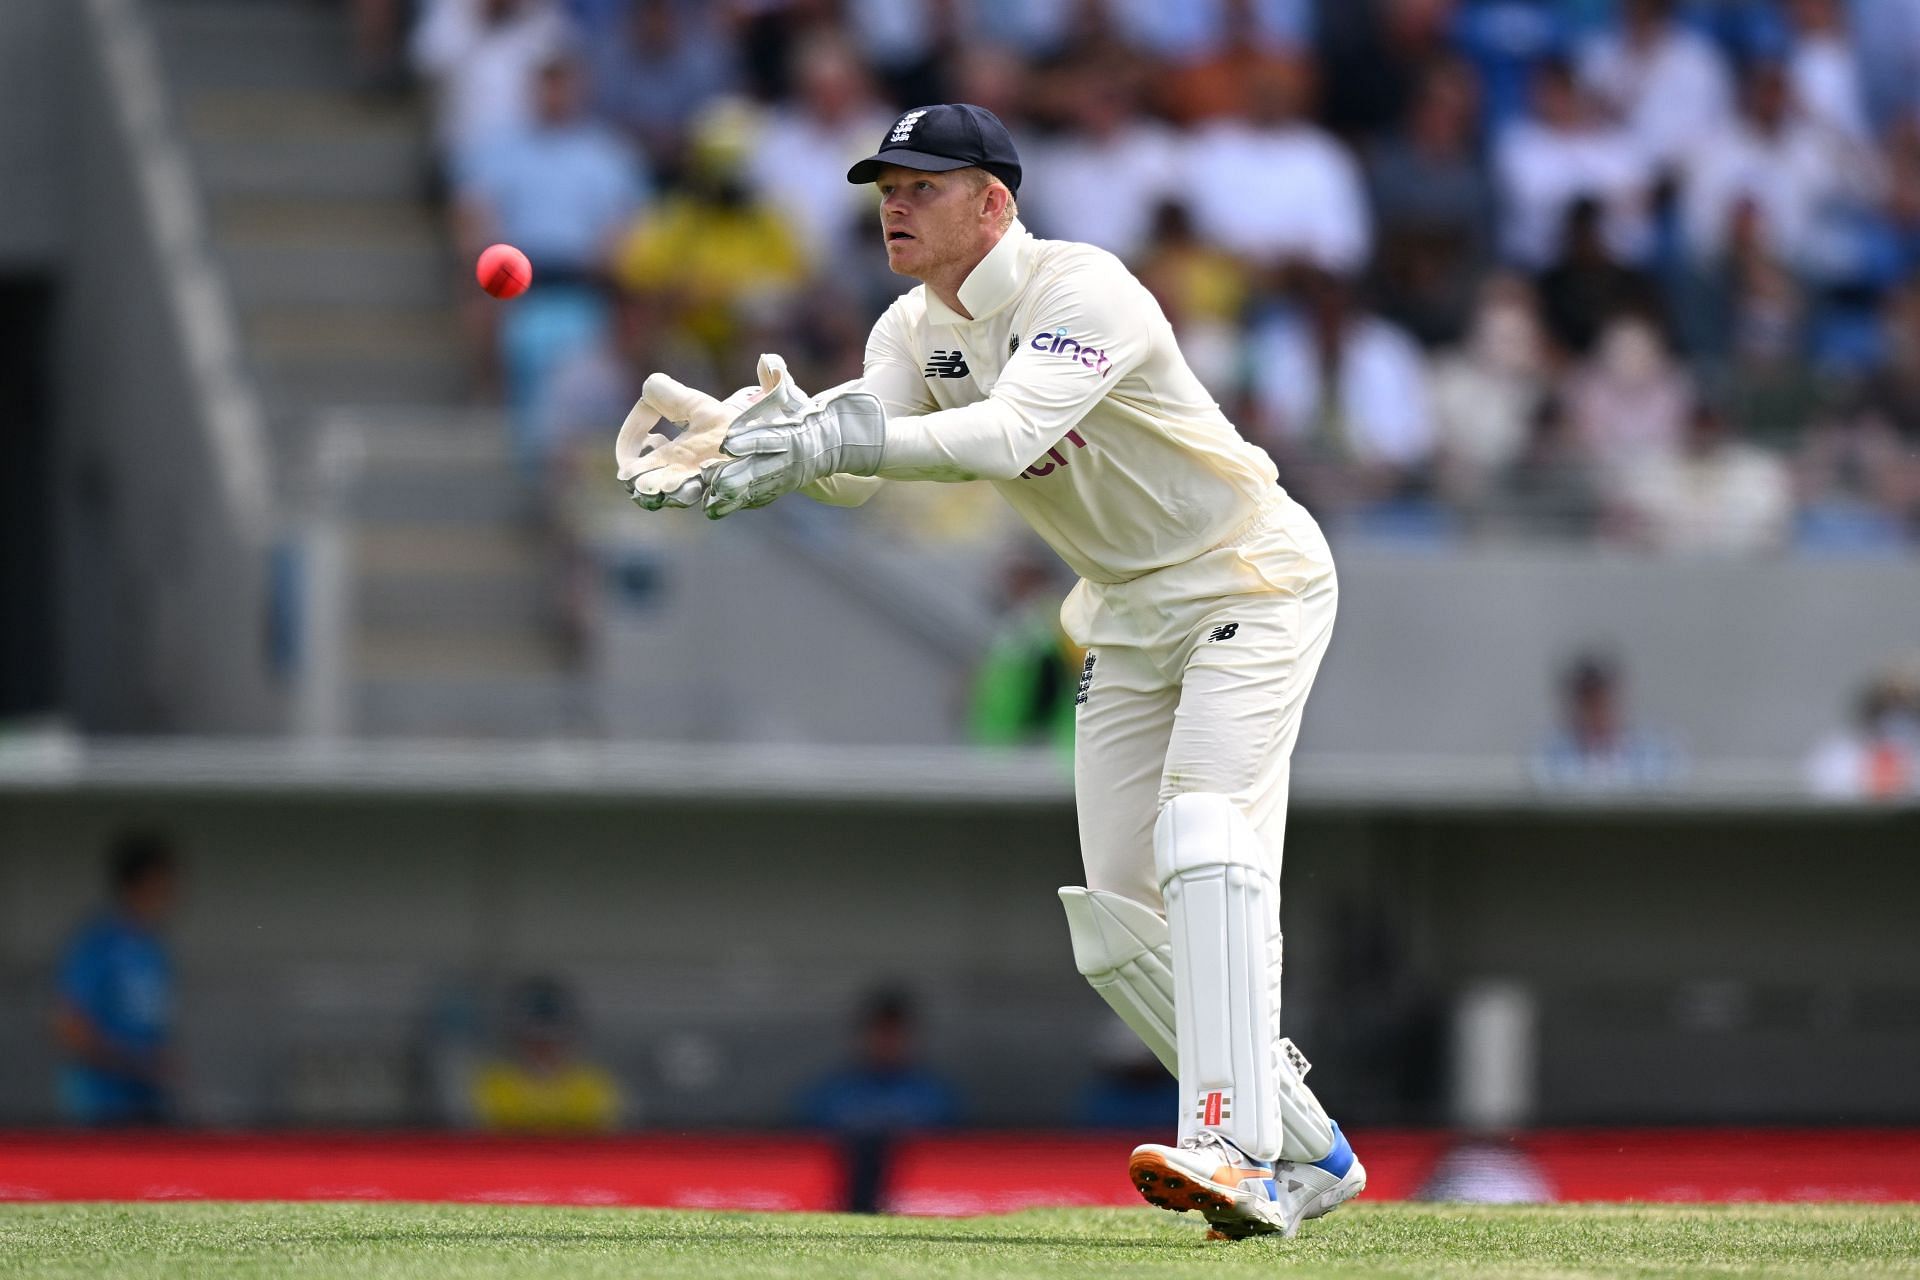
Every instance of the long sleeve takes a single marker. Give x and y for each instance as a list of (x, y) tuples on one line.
[(891, 374), (843, 491), (1088, 331)]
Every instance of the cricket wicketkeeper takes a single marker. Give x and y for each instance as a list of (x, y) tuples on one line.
[(1205, 603)]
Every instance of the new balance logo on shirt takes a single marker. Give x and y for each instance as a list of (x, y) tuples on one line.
[(1224, 632), (947, 364)]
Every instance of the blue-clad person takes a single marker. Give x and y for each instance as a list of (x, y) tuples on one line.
[(114, 1010)]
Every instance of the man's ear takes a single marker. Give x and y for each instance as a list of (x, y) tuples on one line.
[(994, 206)]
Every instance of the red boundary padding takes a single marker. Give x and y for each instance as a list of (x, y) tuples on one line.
[(932, 1175), (685, 1173)]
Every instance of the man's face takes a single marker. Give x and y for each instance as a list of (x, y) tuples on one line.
[(562, 93), (930, 220), (151, 898)]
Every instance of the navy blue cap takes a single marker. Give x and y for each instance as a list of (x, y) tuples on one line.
[(951, 135)]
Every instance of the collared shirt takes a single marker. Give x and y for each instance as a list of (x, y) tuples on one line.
[(115, 971), (1066, 390), (115, 974), (560, 192)]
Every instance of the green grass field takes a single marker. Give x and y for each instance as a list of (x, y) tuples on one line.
[(432, 1242)]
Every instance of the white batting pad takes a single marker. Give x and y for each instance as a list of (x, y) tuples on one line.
[(1121, 948), (651, 463), (1223, 918)]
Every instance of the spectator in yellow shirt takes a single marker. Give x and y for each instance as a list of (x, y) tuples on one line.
[(715, 249), (544, 1083)]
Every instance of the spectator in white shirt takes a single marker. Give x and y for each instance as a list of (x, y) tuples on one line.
[(1666, 83), (1108, 149), (1823, 70), (1629, 402), (802, 150), (1797, 173), (1275, 188), (1340, 398), (1563, 152), (1487, 391), (1878, 758), (483, 58), (1717, 495)]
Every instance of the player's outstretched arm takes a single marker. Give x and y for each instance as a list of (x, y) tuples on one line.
[(889, 374), (771, 450)]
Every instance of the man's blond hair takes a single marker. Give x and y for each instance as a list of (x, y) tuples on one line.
[(979, 180)]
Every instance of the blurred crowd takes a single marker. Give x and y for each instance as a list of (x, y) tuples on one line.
[(1640, 271)]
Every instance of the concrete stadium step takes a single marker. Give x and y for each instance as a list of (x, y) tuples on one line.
[(321, 357), (418, 466), (322, 381), (384, 602), (422, 331), (389, 161), (458, 493), (253, 43), (339, 268), (430, 440), (294, 112), (388, 223), (553, 706), (450, 576), (336, 275), (434, 654), (434, 548)]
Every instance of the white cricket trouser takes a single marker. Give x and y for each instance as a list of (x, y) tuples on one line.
[(1195, 679)]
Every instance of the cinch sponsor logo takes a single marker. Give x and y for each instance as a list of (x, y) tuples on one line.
[(1054, 460), (1059, 344)]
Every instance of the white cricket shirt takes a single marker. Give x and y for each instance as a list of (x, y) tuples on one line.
[(1068, 392)]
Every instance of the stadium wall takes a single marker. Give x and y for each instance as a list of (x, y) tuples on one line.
[(1435, 653), (1730, 658), (1685, 963)]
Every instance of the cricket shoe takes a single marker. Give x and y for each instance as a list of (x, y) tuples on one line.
[(1316, 1189), (1240, 1196)]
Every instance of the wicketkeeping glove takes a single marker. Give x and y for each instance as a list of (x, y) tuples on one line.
[(776, 450), (662, 472)]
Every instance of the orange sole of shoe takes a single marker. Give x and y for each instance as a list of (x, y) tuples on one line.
[(1160, 1183)]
